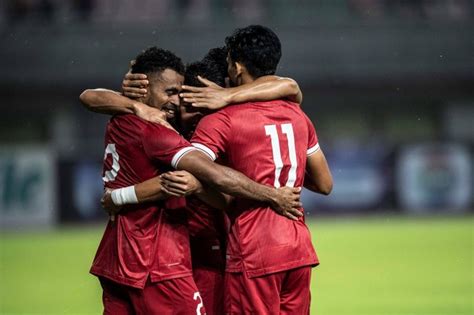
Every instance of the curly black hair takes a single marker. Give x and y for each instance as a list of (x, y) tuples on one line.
[(154, 59), (257, 47), (218, 56), (206, 69)]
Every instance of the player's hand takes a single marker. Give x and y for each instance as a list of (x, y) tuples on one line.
[(288, 202), (135, 85), (108, 204), (151, 114), (212, 96), (180, 183)]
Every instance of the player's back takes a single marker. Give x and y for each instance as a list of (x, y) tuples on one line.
[(125, 162), (143, 240), (268, 142)]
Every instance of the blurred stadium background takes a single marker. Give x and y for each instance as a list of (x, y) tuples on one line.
[(389, 85)]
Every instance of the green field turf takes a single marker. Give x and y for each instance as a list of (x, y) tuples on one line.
[(369, 266)]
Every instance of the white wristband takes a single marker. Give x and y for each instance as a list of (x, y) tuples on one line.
[(123, 196)]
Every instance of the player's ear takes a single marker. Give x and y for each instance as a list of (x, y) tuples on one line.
[(239, 69)]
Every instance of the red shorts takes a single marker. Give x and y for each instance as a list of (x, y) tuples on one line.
[(175, 296), (210, 283), (286, 292)]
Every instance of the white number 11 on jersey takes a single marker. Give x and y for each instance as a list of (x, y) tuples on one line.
[(287, 129)]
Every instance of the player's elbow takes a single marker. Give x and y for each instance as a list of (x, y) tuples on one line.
[(292, 90), (326, 188), (320, 185), (293, 87), (325, 184), (87, 98)]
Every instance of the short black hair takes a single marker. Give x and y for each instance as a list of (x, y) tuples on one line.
[(257, 47), (154, 59), (218, 56), (205, 69)]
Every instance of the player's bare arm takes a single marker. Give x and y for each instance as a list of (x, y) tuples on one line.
[(106, 102), (265, 88), (174, 183), (180, 184), (148, 191), (284, 201), (184, 183), (113, 103), (318, 177), (213, 96)]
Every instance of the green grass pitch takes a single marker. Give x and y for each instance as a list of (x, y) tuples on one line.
[(386, 266)]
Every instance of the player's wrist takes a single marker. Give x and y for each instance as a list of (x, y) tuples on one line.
[(273, 197), (124, 196), (199, 190), (231, 95)]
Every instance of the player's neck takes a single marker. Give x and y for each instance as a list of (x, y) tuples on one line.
[(246, 78)]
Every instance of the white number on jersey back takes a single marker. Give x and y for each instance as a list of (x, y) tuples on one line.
[(287, 129)]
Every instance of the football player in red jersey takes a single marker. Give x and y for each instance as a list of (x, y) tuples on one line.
[(143, 260), (268, 270), (205, 224)]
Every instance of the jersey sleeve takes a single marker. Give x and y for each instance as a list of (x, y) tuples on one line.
[(164, 145), (212, 134), (313, 143)]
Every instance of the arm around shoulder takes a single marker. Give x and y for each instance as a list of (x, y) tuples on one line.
[(267, 88), (284, 201), (106, 102)]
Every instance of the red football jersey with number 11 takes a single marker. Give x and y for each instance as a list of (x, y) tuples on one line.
[(269, 142), (146, 240)]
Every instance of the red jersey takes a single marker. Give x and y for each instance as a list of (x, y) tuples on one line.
[(146, 240), (207, 234), (269, 142)]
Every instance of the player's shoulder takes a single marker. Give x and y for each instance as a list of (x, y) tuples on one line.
[(154, 130), (159, 136), (133, 124), (145, 124), (282, 108), (272, 104), (128, 124), (291, 107), (127, 119), (217, 122), (219, 115), (291, 110), (256, 104), (240, 108)]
